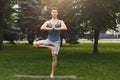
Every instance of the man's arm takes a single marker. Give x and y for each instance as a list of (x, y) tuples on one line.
[(63, 26), (44, 26)]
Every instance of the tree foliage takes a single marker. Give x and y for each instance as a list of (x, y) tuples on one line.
[(29, 18), (97, 15)]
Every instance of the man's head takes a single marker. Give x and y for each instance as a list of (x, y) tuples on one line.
[(54, 12)]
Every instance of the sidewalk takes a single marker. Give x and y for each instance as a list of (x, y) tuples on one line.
[(101, 40)]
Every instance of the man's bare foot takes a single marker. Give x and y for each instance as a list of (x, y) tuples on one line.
[(52, 76)]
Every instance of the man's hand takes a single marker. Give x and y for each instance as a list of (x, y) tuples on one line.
[(48, 28), (53, 27), (62, 27)]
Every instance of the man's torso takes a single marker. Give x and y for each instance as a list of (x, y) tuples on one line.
[(54, 35)]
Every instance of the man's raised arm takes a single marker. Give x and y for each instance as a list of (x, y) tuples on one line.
[(63, 26), (44, 26)]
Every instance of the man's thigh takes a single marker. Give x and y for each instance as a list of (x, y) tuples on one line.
[(44, 42), (56, 47)]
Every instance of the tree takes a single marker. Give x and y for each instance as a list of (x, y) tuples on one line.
[(11, 31), (67, 14), (2, 6), (5, 16), (98, 16), (29, 18)]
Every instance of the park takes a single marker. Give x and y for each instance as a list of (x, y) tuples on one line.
[(87, 51), (73, 60)]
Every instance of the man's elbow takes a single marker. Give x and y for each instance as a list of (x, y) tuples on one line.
[(41, 28), (65, 28)]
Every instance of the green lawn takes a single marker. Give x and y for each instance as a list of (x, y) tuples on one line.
[(72, 60)]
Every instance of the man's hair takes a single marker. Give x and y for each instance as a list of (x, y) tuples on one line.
[(54, 8)]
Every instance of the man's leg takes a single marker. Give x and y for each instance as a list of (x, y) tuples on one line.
[(54, 63), (54, 58), (39, 44)]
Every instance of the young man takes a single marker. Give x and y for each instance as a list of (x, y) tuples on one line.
[(53, 26)]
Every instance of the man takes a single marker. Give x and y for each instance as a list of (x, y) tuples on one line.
[(53, 26)]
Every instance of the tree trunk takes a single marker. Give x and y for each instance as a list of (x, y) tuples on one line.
[(96, 38), (1, 39), (30, 36), (1, 30), (3, 4)]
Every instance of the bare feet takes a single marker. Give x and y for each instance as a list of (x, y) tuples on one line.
[(52, 76)]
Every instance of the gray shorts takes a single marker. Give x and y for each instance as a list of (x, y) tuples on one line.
[(56, 44)]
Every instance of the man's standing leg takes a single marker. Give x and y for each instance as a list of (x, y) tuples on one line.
[(54, 63), (54, 57)]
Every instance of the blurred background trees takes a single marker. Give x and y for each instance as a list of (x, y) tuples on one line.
[(97, 16), (84, 19), (29, 13)]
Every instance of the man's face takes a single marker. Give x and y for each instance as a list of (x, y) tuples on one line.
[(54, 13)]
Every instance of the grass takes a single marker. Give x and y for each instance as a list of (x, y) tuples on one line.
[(72, 60)]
